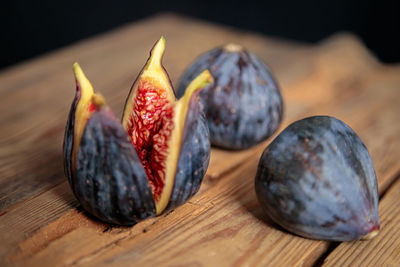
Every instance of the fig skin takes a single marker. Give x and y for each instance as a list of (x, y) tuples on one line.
[(317, 180), (69, 138), (244, 105), (110, 181)]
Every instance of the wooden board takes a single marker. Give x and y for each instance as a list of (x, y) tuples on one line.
[(41, 221)]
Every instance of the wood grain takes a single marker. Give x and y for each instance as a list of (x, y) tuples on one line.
[(40, 220)]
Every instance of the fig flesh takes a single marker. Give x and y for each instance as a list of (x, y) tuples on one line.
[(317, 180), (154, 161), (244, 105)]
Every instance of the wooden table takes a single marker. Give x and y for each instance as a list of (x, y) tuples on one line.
[(41, 222)]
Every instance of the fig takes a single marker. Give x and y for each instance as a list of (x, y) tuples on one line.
[(153, 161), (244, 105), (316, 179)]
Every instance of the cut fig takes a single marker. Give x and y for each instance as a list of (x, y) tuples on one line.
[(153, 162)]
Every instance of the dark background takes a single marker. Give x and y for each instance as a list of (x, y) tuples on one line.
[(34, 27)]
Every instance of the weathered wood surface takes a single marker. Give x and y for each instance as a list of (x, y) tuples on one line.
[(223, 225)]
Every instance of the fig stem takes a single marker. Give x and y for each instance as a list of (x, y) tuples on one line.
[(371, 235), (98, 100), (233, 48)]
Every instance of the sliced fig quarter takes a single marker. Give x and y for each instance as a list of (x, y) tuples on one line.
[(154, 161), (156, 123)]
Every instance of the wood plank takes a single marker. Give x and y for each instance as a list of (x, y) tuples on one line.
[(28, 217), (383, 250), (223, 223)]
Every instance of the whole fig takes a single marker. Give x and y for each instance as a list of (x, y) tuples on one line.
[(244, 105), (154, 161), (317, 180)]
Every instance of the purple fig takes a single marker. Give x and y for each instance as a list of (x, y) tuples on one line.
[(317, 180), (244, 105)]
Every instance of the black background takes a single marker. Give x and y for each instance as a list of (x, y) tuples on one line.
[(34, 27)]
